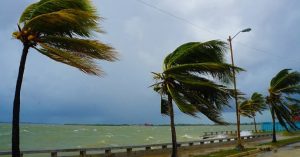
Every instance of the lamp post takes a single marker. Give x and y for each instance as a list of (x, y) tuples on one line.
[(239, 142)]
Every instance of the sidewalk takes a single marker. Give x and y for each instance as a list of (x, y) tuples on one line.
[(209, 148)]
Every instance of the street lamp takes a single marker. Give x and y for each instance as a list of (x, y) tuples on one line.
[(239, 143)]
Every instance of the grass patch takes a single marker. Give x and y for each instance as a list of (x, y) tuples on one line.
[(292, 133), (223, 153), (281, 143)]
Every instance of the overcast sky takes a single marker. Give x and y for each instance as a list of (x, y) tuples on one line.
[(144, 32)]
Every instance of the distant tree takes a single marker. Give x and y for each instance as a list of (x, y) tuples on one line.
[(282, 87), (60, 30), (194, 77), (250, 107)]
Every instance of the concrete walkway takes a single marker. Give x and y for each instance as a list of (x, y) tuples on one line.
[(209, 148), (292, 150)]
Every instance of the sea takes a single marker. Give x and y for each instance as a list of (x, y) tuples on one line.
[(50, 136)]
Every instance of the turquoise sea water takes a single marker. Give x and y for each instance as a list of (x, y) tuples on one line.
[(43, 136)]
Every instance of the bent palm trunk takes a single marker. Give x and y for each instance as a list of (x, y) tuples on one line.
[(172, 124), (254, 124), (16, 107), (273, 121)]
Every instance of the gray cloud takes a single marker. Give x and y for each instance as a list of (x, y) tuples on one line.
[(53, 92)]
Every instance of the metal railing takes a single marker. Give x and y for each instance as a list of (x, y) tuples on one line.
[(232, 132), (108, 150)]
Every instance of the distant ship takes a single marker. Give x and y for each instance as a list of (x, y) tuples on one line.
[(148, 124)]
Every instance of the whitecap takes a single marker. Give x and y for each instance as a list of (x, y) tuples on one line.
[(149, 138), (109, 136), (26, 130), (187, 136), (246, 133), (75, 130), (94, 129), (5, 134)]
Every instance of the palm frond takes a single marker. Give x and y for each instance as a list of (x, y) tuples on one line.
[(183, 105), (84, 64), (26, 15), (284, 117), (64, 23), (221, 71), (279, 77), (295, 109), (212, 114), (49, 6), (245, 109), (200, 83), (164, 107), (285, 79), (292, 89), (92, 48), (292, 100), (250, 106), (196, 52)]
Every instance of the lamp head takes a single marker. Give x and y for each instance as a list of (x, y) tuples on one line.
[(246, 30)]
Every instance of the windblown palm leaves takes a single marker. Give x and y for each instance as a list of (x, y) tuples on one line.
[(283, 87), (192, 76), (255, 104), (294, 106), (60, 30)]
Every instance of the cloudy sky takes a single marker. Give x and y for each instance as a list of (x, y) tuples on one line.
[(144, 32)]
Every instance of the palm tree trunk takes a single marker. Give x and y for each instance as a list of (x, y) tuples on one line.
[(16, 107), (172, 124), (254, 124), (273, 121)]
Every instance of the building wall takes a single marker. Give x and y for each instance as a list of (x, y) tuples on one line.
[(267, 126)]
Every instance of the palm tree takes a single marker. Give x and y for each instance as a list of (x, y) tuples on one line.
[(282, 87), (194, 77), (59, 30), (249, 107)]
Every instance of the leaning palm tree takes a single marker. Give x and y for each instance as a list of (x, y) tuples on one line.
[(59, 30), (194, 77), (282, 87), (250, 107)]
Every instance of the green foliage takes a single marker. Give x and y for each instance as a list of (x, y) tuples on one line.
[(223, 153), (249, 107), (290, 133), (60, 30), (283, 87), (49, 6), (194, 76), (90, 48), (284, 142)]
